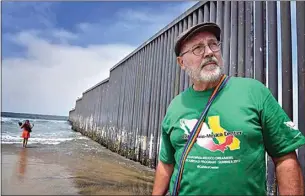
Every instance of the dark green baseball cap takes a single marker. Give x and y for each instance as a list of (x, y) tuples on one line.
[(187, 34)]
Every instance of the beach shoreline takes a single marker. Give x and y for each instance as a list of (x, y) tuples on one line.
[(77, 167)]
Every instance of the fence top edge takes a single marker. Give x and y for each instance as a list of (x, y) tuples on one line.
[(98, 84), (80, 98)]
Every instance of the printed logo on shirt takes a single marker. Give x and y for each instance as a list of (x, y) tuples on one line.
[(291, 125), (215, 138)]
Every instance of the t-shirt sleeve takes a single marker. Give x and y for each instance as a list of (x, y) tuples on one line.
[(280, 134), (166, 149)]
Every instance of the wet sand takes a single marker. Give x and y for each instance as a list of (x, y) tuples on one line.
[(71, 168)]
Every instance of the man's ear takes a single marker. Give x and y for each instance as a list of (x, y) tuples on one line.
[(180, 62)]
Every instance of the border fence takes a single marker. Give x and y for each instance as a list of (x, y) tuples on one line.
[(264, 40)]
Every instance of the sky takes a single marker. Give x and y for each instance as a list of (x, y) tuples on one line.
[(53, 51)]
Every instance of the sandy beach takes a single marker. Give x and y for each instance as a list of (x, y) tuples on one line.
[(81, 167)]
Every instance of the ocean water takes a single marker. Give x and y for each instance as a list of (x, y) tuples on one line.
[(50, 132)]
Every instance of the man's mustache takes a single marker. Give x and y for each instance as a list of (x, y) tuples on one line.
[(209, 60)]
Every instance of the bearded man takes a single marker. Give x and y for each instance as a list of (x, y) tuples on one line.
[(215, 133)]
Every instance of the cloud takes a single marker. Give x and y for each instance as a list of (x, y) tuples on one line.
[(51, 76), (63, 34), (144, 22), (47, 67)]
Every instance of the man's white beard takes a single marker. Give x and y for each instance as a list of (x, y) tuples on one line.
[(210, 73)]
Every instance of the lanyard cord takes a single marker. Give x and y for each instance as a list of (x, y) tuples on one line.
[(194, 134)]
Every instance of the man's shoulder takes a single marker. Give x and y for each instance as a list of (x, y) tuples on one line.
[(246, 82), (250, 87)]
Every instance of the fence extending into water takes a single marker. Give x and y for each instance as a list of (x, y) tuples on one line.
[(261, 40)]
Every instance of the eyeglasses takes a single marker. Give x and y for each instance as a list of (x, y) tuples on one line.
[(199, 49)]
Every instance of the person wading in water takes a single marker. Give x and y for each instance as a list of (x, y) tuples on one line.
[(27, 128)]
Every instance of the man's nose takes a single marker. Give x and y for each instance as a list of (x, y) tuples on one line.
[(207, 52)]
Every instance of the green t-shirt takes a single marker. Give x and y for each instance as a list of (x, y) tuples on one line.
[(243, 122)]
